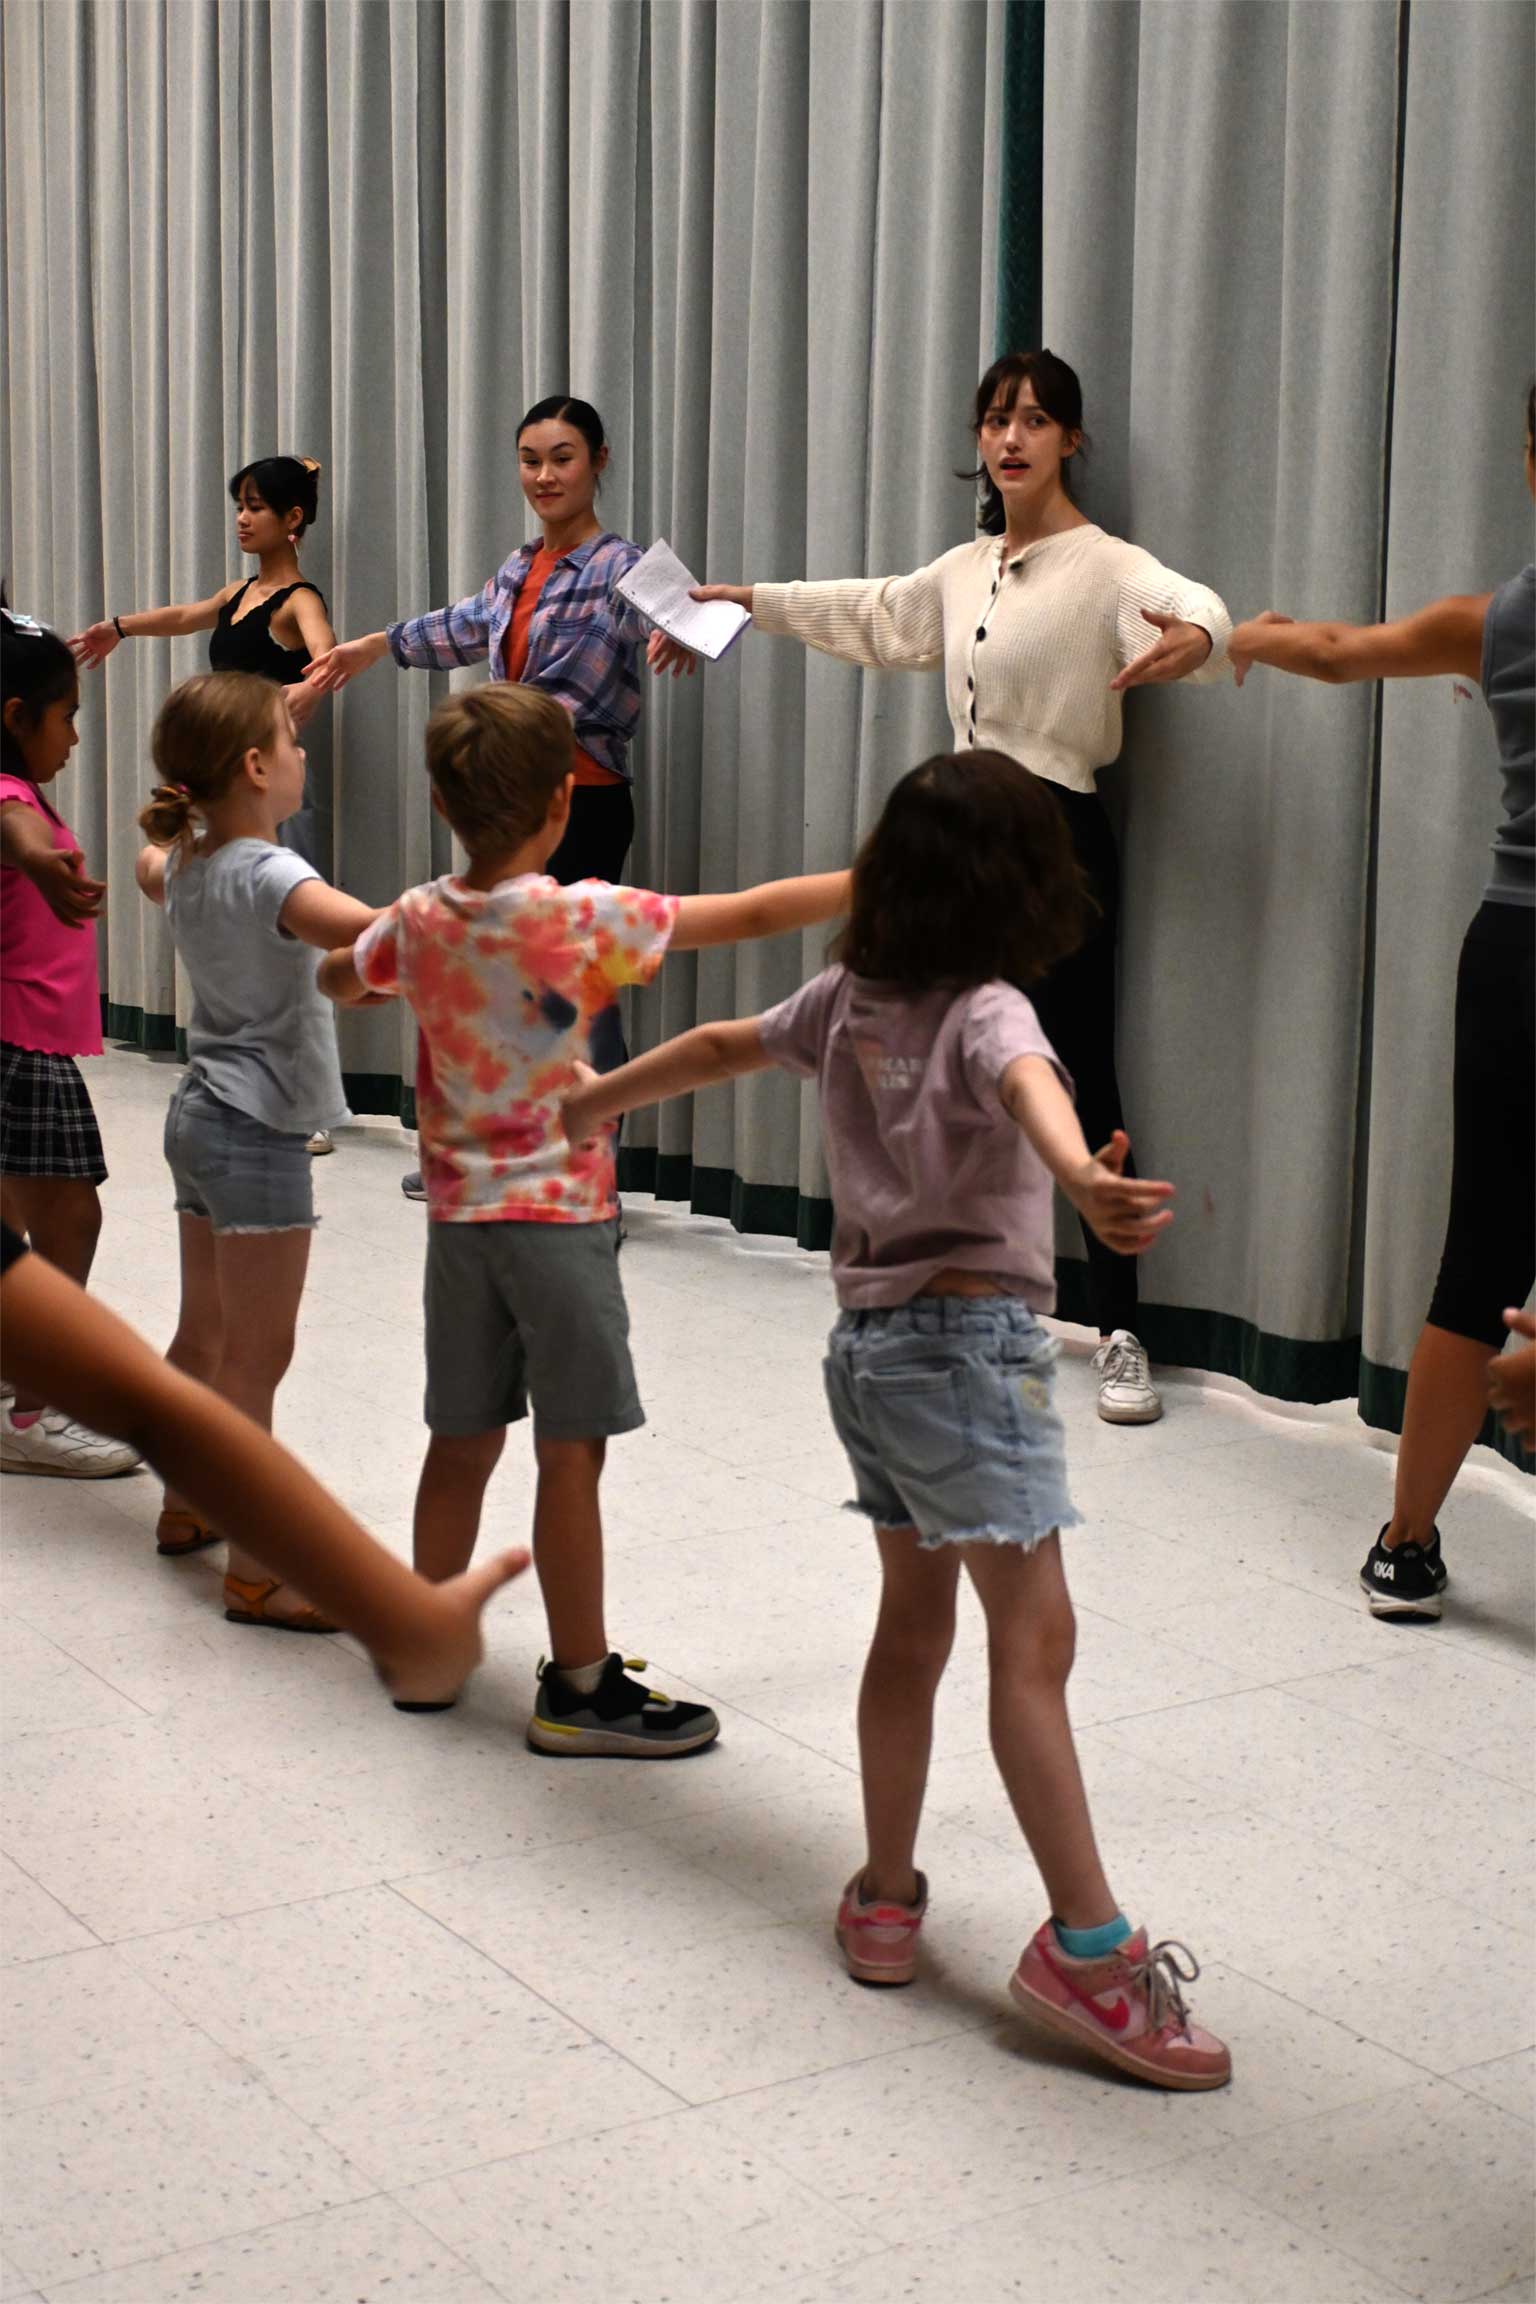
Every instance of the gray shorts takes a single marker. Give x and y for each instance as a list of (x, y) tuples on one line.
[(528, 1312), (234, 1172), (944, 1407)]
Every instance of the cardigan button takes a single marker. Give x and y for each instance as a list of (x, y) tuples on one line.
[(981, 631), (970, 683)]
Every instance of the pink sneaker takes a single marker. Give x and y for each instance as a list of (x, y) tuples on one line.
[(1127, 2008), (879, 1941)]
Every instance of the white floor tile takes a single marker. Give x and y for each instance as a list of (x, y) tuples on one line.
[(34, 1924), (375, 2250), (85, 2021), (1509, 2082)]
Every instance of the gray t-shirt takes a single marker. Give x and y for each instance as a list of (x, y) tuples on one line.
[(1509, 684), (262, 1033), (927, 1168)]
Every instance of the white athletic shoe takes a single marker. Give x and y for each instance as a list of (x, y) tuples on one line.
[(60, 1449), (1127, 1394), (320, 1143)]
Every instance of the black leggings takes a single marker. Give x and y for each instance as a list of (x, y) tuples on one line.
[(1076, 1007), (1490, 1238), (597, 838)]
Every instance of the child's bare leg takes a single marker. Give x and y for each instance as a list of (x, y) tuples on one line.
[(449, 1497), (914, 1632), (260, 1277), (198, 1344), (1031, 1635), (61, 1216), (568, 1548)]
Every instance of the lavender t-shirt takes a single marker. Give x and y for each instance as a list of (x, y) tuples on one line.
[(927, 1168)]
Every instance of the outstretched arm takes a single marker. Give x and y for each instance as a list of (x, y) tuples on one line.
[(424, 1638), (697, 1059), (770, 910), (1126, 1212), (95, 644), (1447, 636)]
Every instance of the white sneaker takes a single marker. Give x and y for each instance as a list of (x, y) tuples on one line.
[(320, 1143), (59, 1449), (1127, 1394)]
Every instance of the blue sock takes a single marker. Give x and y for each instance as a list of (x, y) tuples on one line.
[(1093, 1943)]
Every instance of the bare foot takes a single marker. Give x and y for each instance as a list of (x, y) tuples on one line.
[(448, 1646)]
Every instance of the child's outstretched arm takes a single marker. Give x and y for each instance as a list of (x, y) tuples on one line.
[(424, 1638), (696, 1059), (339, 980), (1447, 636), (1122, 1210), (771, 910), (58, 874)]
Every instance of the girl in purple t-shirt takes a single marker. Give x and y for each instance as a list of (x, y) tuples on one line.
[(50, 1012), (946, 1114)]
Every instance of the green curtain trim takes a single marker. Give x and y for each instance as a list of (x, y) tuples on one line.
[(1019, 200)]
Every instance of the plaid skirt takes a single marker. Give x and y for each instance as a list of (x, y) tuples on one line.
[(47, 1125)]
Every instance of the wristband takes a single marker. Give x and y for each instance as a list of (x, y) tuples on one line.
[(117, 626)]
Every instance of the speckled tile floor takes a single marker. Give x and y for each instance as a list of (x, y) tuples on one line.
[(308, 2001)]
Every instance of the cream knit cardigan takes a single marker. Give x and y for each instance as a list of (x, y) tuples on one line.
[(1029, 646)]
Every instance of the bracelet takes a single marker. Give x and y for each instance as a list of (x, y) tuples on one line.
[(117, 626)]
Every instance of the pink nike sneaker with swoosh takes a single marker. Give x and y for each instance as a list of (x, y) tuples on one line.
[(879, 1939), (1127, 2008)]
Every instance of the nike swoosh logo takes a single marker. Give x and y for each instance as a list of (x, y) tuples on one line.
[(1116, 2017)]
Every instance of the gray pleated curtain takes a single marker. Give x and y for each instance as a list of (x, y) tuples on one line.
[(1287, 242)]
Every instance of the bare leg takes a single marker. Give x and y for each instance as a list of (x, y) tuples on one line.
[(260, 1279), (449, 1496), (568, 1547), (198, 1344), (914, 1632), (1031, 1637), (1442, 1416), (61, 1217)]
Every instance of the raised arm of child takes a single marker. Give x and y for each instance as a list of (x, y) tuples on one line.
[(1126, 1212), (58, 874), (770, 910), (424, 1638), (1447, 636), (696, 1059)]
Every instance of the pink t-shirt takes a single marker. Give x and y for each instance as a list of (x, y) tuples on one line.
[(512, 986), (927, 1169), (50, 990)]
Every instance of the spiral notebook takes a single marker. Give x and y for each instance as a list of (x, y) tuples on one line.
[(659, 585)]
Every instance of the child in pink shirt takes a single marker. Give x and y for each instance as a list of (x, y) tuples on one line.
[(50, 1012)]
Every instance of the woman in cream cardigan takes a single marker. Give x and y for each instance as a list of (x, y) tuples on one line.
[(1040, 625)]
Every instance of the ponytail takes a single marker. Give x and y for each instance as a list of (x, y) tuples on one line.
[(203, 732)]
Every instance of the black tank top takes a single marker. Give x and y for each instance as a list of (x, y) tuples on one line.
[(248, 646)]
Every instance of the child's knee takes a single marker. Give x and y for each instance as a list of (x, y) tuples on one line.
[(1041, 1647), (466, 1455)]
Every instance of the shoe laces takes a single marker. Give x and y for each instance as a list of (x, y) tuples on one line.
[(1163, 1975), (1123, 1359)]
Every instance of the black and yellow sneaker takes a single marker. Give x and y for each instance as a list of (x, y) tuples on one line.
[(621, 1719), (1408, 1580)]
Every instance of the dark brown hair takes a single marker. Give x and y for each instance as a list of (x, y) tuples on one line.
[(203, 731), (1056, 390), (969, 876), (497, 756)]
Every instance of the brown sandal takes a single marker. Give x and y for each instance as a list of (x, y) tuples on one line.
[(252, 1608), (178, 1532)]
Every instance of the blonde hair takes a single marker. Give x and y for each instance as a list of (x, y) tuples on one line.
[(497, 756), (203, 731)]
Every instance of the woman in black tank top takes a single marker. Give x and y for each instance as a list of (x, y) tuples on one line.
[(274, 622)]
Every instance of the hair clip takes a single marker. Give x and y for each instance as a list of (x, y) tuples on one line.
[(23, 623), (310, 464)]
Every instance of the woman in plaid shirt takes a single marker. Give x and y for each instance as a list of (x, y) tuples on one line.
[(552, 617)]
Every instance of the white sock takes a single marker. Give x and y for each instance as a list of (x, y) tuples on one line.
[(582, 1677)]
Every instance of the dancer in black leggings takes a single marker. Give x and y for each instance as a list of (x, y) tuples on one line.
[(1490, 1240)]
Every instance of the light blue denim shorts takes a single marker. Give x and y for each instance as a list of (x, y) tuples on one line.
[(235, 1172), (944, 1406)]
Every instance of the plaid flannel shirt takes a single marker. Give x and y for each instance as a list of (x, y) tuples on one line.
[(583, 644)]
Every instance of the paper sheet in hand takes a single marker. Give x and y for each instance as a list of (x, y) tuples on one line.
[(658, 585)]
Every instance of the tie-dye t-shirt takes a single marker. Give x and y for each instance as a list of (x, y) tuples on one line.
[(511, 987)]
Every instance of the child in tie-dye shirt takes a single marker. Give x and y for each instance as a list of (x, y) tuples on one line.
[(514, 980)]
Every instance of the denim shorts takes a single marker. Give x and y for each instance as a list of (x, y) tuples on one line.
[(238, 1174), (944, 1406)]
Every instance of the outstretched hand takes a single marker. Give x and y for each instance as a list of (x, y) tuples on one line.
[(1241, 646), (1126, 1212), (664, 654), (61, 880), (740, 595), (1512, 1381), (94, 645), (450, 1644), (1179, 649), (338, 665)]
